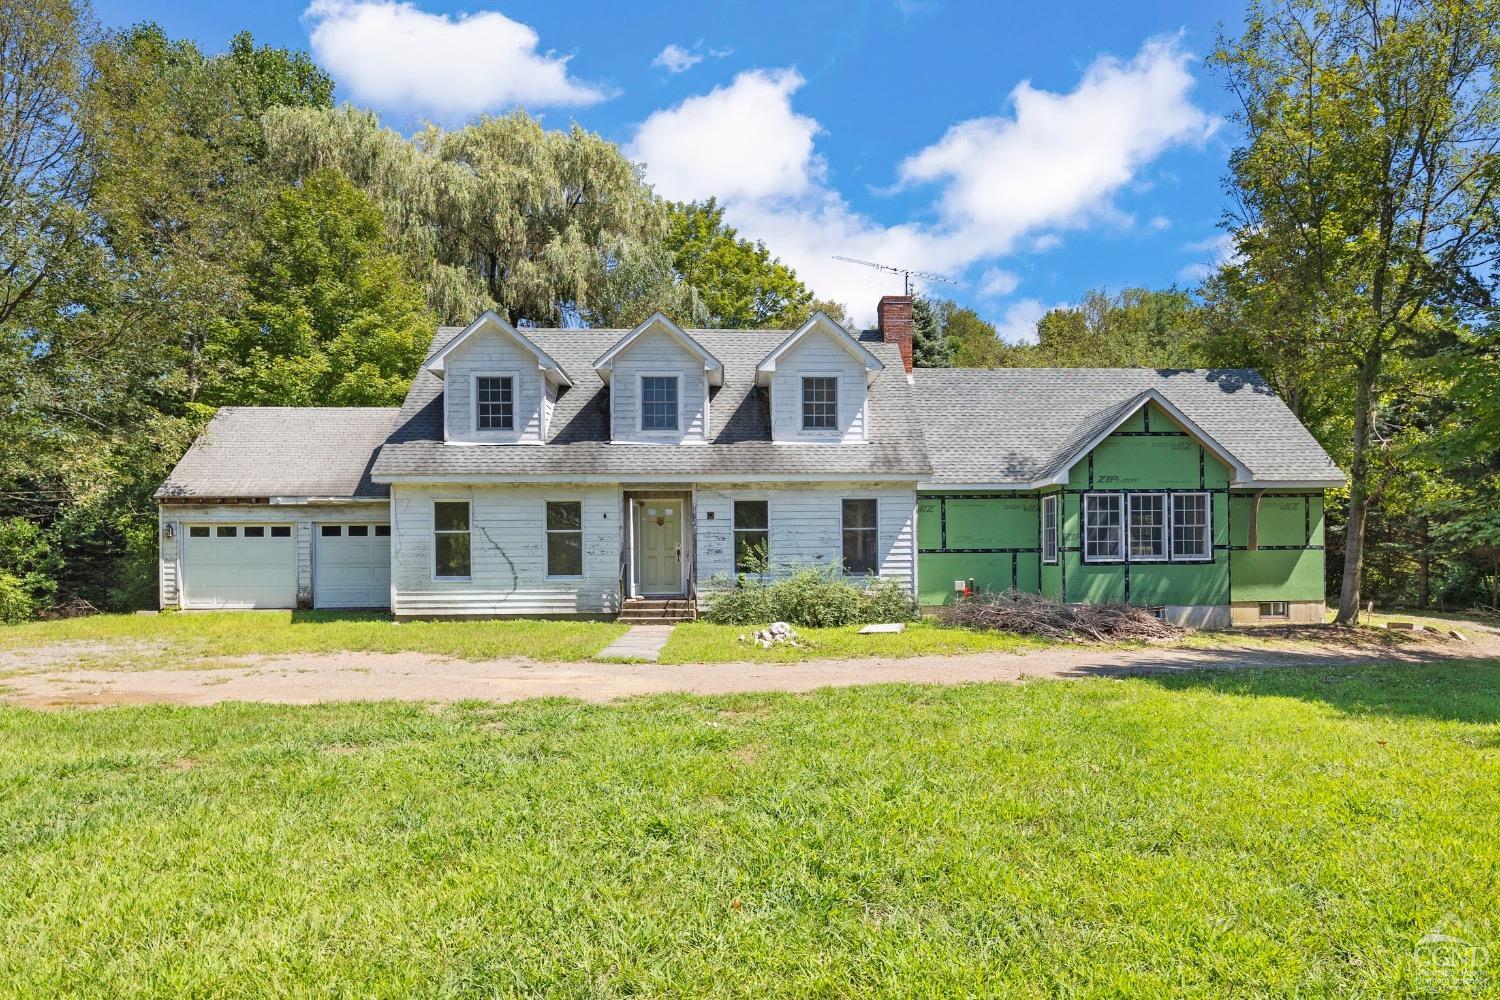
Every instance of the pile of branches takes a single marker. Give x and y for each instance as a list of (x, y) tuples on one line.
[(1031, 614)]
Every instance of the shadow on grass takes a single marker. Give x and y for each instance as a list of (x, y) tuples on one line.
[(1466, 691), (329, 617)]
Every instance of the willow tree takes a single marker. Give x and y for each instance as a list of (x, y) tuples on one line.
[(549, 227), (1366, 188)]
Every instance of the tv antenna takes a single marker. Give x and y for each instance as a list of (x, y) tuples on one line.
[(906, 273)]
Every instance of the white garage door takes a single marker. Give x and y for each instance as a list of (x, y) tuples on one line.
[(352, 566), (239, 566)]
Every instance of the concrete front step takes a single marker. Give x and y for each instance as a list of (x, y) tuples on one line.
[(656, 619), (658, 611)]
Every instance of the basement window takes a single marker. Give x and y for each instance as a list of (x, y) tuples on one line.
[(1103, 524), (1274, 609), (1049, 529)]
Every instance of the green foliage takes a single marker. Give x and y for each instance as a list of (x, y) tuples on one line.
[(29, 566), (930, 347), (330, 317), (738, 283), (16, 601), (817, 596)]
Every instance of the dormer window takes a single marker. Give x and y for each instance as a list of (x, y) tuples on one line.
[(659, 403), (494, 402), (820, 403)]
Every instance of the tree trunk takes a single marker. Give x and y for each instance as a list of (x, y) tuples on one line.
[(1424, 566), (1359, 493)]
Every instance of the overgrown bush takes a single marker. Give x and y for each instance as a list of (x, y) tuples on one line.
[(816, 597), (16, 605)]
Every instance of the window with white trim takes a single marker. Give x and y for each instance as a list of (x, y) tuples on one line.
[(564, 538), (1148, 527), (1049, 528), (752, 535), (861, 538), (658, 402), (450, 539), (1103, 527), (1192, 535), (820, 403), (494, 403)]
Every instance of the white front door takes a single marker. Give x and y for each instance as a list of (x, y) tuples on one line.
[(352, 566), (659, 546), (239, 566)]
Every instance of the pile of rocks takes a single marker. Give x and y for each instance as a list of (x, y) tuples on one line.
[(779, 633)]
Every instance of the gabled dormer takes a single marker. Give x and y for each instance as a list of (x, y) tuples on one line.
[(659, 380), (498, 386), (818, 381)]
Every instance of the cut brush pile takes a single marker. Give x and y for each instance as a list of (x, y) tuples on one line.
[(1031, 614)]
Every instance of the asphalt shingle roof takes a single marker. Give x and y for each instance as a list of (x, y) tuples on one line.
[(1020, 425), (300, 451), (739, 432)]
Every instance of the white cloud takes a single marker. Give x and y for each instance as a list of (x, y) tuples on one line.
[(1053, 161), (741, 141), (1215, 252), (1160, 223), (676, 59), (1017, 325), (996, 284), (397, 57)]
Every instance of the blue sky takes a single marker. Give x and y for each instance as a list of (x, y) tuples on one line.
[(1032, 151)]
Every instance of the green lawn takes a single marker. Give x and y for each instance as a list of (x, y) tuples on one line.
[(700, 642), (168, 639), (1279, 832)]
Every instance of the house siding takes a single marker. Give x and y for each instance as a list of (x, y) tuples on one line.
[(656, 352), (818, 354), (492, 352), (508, 560), (806, 528)]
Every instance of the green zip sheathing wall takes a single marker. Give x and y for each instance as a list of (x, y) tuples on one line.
[(1287, 563), (995, 539)]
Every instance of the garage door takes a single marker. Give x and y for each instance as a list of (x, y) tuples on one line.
[(239, 566), (352, 566)]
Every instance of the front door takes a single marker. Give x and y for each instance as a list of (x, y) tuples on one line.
[(659, 546)]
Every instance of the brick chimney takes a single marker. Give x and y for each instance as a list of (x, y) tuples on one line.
[(894, 316)]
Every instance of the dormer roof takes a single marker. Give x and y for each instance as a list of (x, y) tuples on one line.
[(823, 324), (492, 321), (658, 321)]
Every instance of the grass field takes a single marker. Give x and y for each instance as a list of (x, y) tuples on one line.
[(1277, 832), (169, 639)]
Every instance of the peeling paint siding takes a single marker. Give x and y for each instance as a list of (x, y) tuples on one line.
[(806, 528), (817, 354), (657, 353), (492, 352), (303, 516), (508, 563)]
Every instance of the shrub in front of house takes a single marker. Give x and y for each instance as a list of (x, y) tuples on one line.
[(815, 597)]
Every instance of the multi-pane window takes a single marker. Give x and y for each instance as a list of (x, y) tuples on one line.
[(861, 533), (1103, 521), (564, 538), (1049, 529), (1191, 538), (659, 403), (1148, 527), (752, 540), (820, 404), (494, 402), (450, 538)]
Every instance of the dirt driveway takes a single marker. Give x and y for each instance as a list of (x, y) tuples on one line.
[(311, 678)]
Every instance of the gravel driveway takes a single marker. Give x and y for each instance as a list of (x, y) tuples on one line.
[(311, 678)]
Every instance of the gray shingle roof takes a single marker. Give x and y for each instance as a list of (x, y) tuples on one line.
[(739, 433), (302, 451), (1018, 425)]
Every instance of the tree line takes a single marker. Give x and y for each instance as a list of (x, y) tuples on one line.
[(181, 231)]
